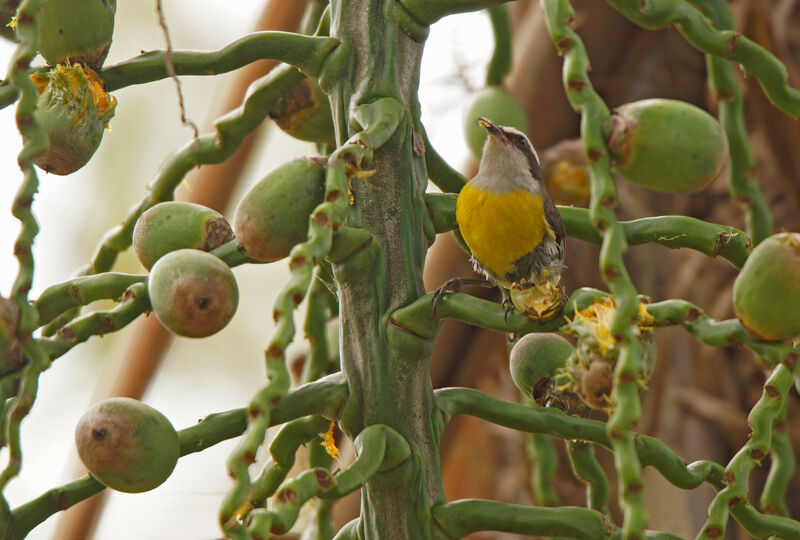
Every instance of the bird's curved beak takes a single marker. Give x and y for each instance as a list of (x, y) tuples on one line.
[(492, 128)]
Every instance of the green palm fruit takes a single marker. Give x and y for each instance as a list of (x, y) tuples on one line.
[(305, 113), (172, 225), (534, 362), (74, 110), (193, 293), (766, 293), (667, 145), (127, 445), (273, 217), (76, 31), (499, 106)]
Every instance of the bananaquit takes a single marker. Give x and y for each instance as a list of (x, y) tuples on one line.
[(511, 225)]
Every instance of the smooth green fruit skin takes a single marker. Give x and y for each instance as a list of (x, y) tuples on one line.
[(127, 445), (173, 225), (273, 217), (536, 356), (499, 106), (667, 145), (766, 293), (76, 31), (193, 293), (305, 113)]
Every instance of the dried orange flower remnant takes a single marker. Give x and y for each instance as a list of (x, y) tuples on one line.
[(329, 443), (590, 369)]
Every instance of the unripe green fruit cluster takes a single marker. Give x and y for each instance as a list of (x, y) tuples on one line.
[(173, 225), (766, 293), (127, 445), (273, 216), (499, 106), (76, 31), (193, 293), (667, 145)]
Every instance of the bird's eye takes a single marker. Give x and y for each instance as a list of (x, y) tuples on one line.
[(520, 139)]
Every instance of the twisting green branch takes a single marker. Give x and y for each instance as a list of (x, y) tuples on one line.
[(719, 333), (588, 470), (461, 518), (320, 397), (669, 231), (651, 451), (761, 419), (135, 301), (306, 53), (282, 452), (781, 470), (625, 394), (379, 448), (303, 258), (318, 313), (34, 141), (418, 317), (545, 464), (697, 29), (500, 63), (440, 173), (742, 183), (215, 147), (82, 291)]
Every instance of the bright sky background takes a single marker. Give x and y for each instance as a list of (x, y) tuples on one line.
[(199, 376)]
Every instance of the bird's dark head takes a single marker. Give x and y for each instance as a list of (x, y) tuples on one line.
[(506, 146)]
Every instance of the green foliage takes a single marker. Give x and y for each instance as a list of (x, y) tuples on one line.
[(355, 226)]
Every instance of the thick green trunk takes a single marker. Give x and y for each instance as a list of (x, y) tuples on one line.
[(387, 369)]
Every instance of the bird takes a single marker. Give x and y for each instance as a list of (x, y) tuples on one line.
[(511, 226)]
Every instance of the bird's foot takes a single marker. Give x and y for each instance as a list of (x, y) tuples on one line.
[(453, 285)]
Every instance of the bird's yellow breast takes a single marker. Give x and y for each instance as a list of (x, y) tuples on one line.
[(500, 228)]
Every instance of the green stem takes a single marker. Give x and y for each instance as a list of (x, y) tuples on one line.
[(440, 173), (782, 467), (282, 451), (82, 291), (461, 518), (761, 419), (306, 53), (500, 63), (419, 319), (742, 183), (378, 448), (545, 464), (588, 470), (651, 451), (728, 44), (670, 231)]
